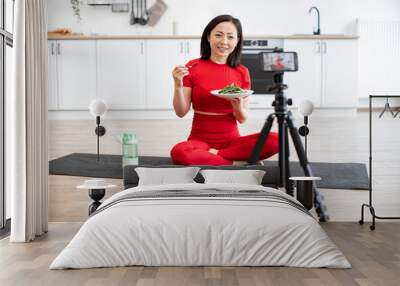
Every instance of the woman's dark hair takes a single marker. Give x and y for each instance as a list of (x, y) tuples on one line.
[(234, 57)]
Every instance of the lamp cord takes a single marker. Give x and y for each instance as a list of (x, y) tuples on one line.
[(98, 136), (305, 145), (305, 135)]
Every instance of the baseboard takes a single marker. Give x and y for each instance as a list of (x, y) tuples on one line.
[(114, 115), (170, 114)]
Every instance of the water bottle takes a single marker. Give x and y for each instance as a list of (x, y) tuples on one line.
[(129, 150)]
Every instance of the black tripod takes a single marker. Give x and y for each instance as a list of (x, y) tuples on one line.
[(285, 124)]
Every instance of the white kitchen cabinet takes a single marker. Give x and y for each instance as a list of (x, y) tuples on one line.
[(52, 99), (327, 72), (339, 73), (161, 57), (192, 49), (76, 70), (121, 71), (127, 74), (306, 82)]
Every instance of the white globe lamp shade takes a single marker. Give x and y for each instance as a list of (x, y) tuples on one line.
[(306, 107), (97, 107)]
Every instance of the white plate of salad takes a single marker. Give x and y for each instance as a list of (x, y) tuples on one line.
[(232, 91)]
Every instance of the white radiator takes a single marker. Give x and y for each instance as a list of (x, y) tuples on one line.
[(379, 57)]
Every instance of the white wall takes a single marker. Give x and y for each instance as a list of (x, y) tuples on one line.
[(259, 17)]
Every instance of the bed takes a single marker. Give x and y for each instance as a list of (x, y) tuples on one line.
[(201, 224)]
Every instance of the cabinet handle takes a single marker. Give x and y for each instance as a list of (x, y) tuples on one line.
[(181, 47), (187, 47), (52, 49), (141, 48), (318, 47), (324, 47), (58, 49)]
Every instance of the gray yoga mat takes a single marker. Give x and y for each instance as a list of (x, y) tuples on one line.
[(334, 175)]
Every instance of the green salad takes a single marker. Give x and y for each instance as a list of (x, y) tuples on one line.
[(232, 88)]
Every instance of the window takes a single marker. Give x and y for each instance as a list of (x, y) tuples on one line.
[(6, 43), (9, 19)]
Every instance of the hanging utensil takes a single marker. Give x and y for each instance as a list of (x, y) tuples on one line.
[(142, 20), (137, 12), (133, 18), (146, 13)]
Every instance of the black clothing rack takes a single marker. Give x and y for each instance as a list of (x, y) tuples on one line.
[(369, 205)]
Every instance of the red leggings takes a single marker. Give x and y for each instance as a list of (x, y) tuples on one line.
[(221, 134)]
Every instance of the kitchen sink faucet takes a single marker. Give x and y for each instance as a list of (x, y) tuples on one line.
[(318, 31)]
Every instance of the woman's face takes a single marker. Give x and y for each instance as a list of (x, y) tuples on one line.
[(223, 39)]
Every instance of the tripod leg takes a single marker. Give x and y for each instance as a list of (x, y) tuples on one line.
[(288, 183), (282, 152), (320, 207), (255, 155)]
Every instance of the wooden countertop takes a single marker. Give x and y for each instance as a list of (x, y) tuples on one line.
[(166, 37)]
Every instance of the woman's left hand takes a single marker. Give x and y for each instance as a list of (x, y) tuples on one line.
[(239, 108), (239, 103)]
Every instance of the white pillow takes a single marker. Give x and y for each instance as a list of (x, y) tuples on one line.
[(249, 177), (165, 176)]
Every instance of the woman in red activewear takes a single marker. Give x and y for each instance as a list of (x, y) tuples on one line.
[(215, 138)]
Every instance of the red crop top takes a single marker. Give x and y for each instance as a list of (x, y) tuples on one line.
[(205, 76)]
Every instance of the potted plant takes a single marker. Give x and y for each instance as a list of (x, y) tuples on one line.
[(76, 7)]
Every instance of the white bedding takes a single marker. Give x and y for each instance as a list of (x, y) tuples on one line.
[(200, 231)]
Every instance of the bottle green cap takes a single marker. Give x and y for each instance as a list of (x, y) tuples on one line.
[(128, 138)]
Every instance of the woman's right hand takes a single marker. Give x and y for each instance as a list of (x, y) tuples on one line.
[(178, 73)]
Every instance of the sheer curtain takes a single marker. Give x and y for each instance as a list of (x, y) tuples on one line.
[(28, 123)]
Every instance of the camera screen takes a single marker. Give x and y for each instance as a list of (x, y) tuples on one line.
[(278, 61)]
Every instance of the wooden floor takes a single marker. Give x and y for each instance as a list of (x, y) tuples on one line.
[(375, 258), (331, 139)]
